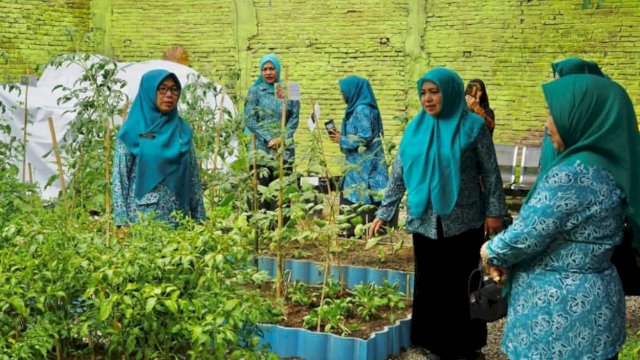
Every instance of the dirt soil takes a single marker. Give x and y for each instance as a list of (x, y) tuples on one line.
[(381, 256), (294, 315)]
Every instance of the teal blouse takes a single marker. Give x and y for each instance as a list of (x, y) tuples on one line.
[(361, 143), (566, 299), (263, 113), (472, 206), (160, 200)]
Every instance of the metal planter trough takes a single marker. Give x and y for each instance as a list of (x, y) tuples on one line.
[(309, 345)]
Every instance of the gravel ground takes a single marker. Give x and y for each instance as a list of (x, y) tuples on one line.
[(492, 350)]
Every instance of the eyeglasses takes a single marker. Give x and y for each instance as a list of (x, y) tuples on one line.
[(174, 90)]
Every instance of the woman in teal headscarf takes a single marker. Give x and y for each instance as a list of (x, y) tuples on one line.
[(360, 141), (155, 167), (569, 66), (566, 299), (263, 114), (443, 152)]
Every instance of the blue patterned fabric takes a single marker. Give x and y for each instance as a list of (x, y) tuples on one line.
[(471, 208), (161, 200), (361, 144), (263, 113), (566, 299), (431, 146)]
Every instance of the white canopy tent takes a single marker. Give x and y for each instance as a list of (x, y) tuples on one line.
[(42, 104)]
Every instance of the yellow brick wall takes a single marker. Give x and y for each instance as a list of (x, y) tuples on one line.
[(509, 44), (33, 32)]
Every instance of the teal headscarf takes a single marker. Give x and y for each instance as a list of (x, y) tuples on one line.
[(575, 66), (272, 59), (569, 66), (431, 148), (357, 91), (165, 157), (597, 123)]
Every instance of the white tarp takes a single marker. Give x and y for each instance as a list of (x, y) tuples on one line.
[(42, 104)]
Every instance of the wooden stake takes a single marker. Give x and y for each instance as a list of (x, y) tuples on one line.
[(216, 145), (256, 232), (56, 151), (24, 132), (107, 171), (125, 111), (280, 152), (30, 174)]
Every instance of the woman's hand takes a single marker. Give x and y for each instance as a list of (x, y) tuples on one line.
[(492, 225), (471, 102), (274, 143), (121, 232), (375, 227), (335, 136), (499, 275)]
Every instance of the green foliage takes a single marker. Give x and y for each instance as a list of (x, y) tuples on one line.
[(631, 348), (96, 97), (339, 309), (160, 293)]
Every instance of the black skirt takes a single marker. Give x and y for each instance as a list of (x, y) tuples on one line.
[(440, 321)]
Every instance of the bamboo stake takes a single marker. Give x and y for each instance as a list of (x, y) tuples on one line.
[(280, 260), (125, 111), (324, 288), (407, 286), (56, 151), (216, 145), (30, 174), (24, 132), (256, 233), (107, 171)]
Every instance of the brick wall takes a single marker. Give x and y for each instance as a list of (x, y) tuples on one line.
[(509, 44), (33, 32)]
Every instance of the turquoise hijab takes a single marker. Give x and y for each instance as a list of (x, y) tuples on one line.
[(272, 59), (574, 66), (164, 154), (569, 66), (597, 123), (357, 91), (431, 147)]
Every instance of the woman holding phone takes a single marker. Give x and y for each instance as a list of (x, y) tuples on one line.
[(360, 141), (478, 102)]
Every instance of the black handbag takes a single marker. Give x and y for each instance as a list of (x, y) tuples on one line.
[(485, 297)]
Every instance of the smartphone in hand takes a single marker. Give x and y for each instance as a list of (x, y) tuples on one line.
[(330, 126), (472, 90)]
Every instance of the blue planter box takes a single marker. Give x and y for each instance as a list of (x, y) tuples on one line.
[(309, 345)]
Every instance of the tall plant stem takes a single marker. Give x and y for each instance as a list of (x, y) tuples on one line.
[(279, 250), (107, 190), (216, 144), (24, 132), (324, 288), (256, 232)]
